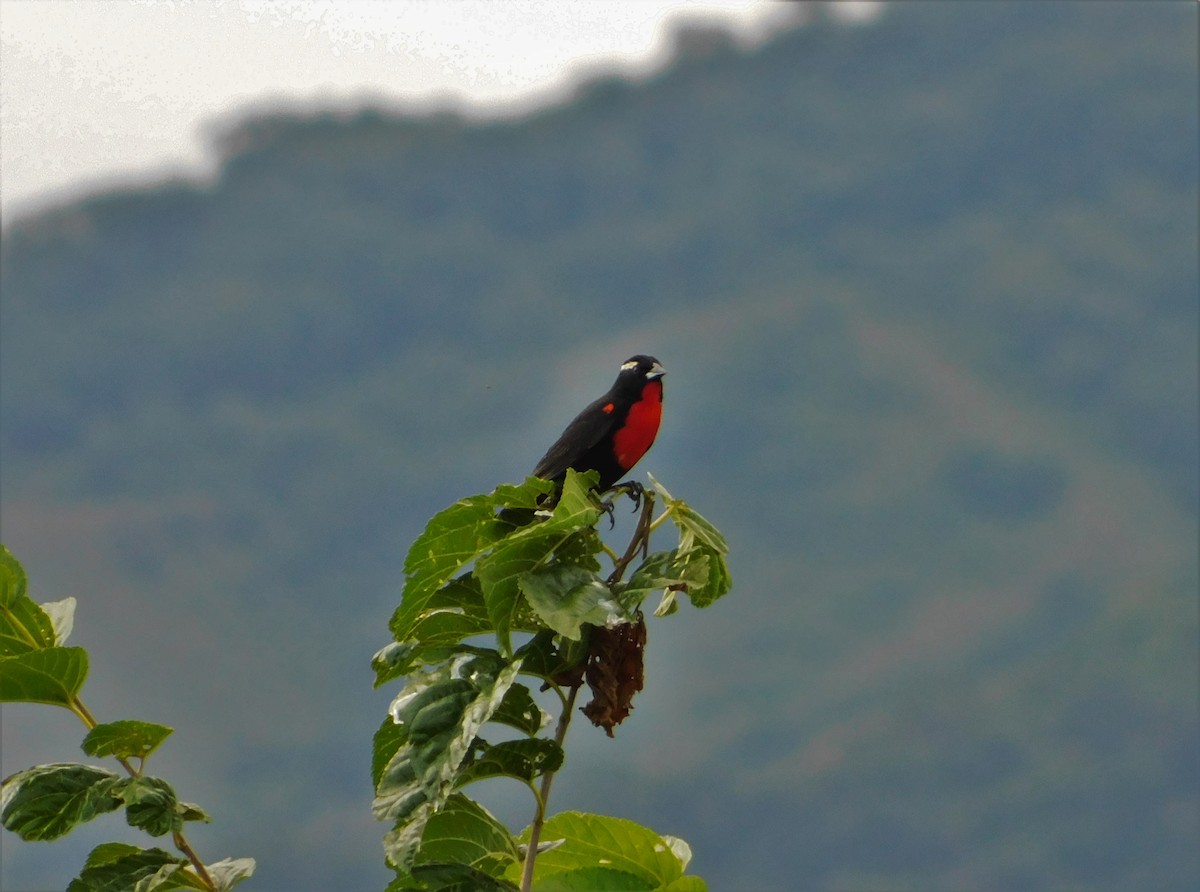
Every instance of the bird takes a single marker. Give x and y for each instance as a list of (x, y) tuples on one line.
[(614, 431)]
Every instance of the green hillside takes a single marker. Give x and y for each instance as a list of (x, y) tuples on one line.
[(926, 290)]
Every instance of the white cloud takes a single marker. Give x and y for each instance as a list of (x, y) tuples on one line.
[(96, 90)]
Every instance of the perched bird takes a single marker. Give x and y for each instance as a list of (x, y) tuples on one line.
[(613, 432)]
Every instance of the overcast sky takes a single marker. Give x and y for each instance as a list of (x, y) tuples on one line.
[(97, 92)]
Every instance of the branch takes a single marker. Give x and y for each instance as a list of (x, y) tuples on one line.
[(78, 707), (535, 831), (182, 844)]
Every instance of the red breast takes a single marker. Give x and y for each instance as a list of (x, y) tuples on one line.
[(641, 425)]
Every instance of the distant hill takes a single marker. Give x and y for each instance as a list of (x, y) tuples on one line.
[(926, 290)]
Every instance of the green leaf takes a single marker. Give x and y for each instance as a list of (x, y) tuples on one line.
[(401, 844), (47, 801), (454, 612), (546, 655), (451, 614), (694, 568), (686, 884), (452, 539), (577, 508), (62, 618), (688, 519), (712, 576), (388, 739), (700, 555), (697, 566), (529, 547), (189, 811), (110, 852), (520, 759), (53, 675), (499, 572), (519, 710), (668, 604), (680, 848), (394, 660), (125, 739), (581, 549), (441, 712), (167, 877), (465, 832), (228, 872), (658, 571), (118, 867), (591, 841), (151, 805), (454, 877), (566, 597), (404, 882), (595, 879), (523, 495), (13, 581), (25, 626), (427, 658)]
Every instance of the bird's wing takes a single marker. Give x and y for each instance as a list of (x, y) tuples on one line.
[(588, 428)]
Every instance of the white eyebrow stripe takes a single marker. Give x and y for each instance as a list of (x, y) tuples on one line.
[(628, 365)]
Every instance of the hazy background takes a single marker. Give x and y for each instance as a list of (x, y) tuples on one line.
[(925, 283)]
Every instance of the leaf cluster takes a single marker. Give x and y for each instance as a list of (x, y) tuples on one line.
[(46, 802), (524, 560)]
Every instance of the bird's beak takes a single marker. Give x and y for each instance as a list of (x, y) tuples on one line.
[(656, 371)]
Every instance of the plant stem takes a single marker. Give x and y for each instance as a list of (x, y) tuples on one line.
[(658, 521), (182, 844), (535, 831), (80, 709), (639, 542), (85, 715)]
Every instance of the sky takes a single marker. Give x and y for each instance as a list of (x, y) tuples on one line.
[(99, 93)]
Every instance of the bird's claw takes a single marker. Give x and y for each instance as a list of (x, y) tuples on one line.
[(631, 488), (635, 491)]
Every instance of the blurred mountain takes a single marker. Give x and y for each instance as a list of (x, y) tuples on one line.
[(926, 290)]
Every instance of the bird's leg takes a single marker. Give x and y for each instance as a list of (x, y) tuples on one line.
[(631, 488)]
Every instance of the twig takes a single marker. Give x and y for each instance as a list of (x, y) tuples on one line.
[(85, 715), (182, 844), (535, 831), (639, 542)]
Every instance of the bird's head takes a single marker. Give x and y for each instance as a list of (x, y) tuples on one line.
[(642, 368)]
